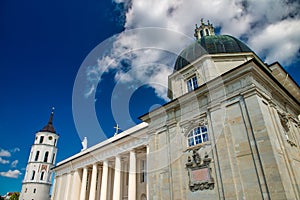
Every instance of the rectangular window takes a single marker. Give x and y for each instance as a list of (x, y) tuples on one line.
[(143, 177), (192, 84)]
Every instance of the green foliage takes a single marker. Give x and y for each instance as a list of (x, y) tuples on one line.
[(15, 196)]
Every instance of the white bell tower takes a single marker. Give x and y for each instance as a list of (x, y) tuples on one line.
[(38, 177)]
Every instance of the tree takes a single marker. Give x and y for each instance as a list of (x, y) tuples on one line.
[(15, 196)]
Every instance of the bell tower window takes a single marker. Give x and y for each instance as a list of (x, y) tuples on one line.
[(192, 84), (41, 139), (37, 156), (33, 174), (46, 156)]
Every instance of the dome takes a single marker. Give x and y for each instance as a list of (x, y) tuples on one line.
[(212, 44)]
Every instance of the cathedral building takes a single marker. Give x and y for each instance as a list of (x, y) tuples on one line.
[(38, 177), (230, 131)]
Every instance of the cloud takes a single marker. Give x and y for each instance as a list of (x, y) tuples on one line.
[(269, 27), (4, 153), (3, 161), (286, 39), (15, 150), (14, 163), (11, 174)]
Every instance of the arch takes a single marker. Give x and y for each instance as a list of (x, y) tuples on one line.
[(143, 197), (46, 156)]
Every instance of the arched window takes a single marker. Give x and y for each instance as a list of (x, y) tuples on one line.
[(41, 139), (206, 31), (37, 156), (197, 135), (46, 156), (143, 197), (42, 176), (33, 174)]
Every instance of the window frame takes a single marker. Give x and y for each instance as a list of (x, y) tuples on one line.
[(197, 135), (143, 171), (192, 83)]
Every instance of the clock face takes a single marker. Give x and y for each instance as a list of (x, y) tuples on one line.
[(50, 138)]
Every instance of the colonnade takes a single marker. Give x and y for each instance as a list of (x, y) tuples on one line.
[(100, 180)]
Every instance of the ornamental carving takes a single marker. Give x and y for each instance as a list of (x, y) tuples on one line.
[(199, 172)]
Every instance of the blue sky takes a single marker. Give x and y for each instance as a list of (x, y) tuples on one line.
[(43, 45)]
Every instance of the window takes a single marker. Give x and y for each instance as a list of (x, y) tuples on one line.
[(46, 156), (42, 176), (197, 135), (37, 156), (192, 84), (143, 171), (34, 190), (50, 138), (206, 30), (41, 139), (55, 142), (202, 33), (53, 158), (33, 174)]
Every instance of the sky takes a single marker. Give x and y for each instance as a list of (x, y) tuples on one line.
[(102, 63)]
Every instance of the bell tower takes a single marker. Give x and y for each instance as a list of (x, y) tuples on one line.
[(38, 177)]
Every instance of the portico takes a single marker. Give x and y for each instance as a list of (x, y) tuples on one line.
[(106, 171)]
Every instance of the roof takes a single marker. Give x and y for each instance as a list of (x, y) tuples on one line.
[(49, 127), (212, 44)]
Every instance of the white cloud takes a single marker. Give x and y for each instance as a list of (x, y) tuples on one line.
[(271, 28), (3, 161), (15, 150), (4, 153), (11, 174), (14, 163), (283, 46)]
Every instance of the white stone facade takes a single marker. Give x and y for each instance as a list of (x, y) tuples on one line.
[(236, 135)]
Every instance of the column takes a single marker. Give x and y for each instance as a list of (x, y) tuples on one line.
[(103, 194), (93, 183), (98, 186), (83, 183), (75, 186), (58, 187), (68, 186), (117, 179), (132, 176), (148, 177)]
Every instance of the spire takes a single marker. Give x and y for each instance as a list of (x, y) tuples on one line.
[(49, 127)]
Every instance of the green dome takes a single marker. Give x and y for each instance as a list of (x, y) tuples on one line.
[(212, 44)]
